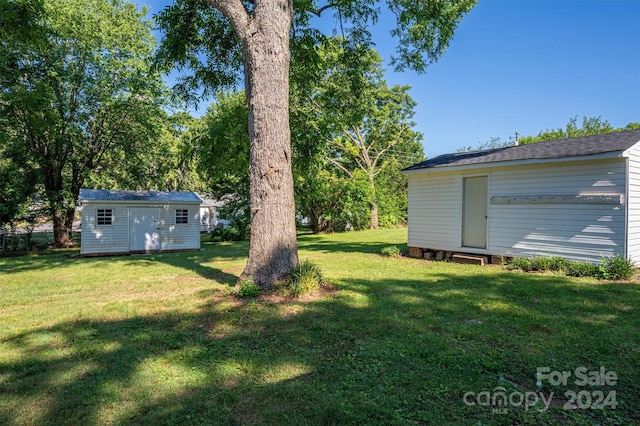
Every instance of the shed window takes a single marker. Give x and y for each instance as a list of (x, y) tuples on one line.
[(182, 216), (104, 216)]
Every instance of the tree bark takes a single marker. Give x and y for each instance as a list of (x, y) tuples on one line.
[(272, 246), (374, 215), (55, 200), (60, 231), (374, 202)]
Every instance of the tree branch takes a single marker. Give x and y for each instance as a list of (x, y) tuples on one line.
[(318, 12), (236, 13), (340, 166)]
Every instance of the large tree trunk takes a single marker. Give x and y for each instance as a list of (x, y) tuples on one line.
[(61, 234), (272, 247), (55, 201), (68, 220)]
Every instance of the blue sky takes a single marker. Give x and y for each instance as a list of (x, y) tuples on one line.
[(525, 66)]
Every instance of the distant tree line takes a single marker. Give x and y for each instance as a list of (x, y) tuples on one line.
[(589, 126)]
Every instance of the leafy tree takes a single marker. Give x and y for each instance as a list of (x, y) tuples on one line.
[(222, 144), (75, 88), (357, 123), (163, 160), (366, 146), (492, 143), (18, 177), (217, 39), (589, 126)]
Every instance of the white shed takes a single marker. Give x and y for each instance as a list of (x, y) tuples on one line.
[(120, 222), (575, 198)]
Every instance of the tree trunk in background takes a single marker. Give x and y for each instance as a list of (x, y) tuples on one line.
[(374, 215), (60, 231), (272, 247), (55, 201), (374, 202)]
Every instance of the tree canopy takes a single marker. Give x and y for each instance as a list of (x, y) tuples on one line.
[(75, 85), (221, 40), (573, 129)]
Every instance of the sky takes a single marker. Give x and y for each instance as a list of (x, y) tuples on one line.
[(521, 66)]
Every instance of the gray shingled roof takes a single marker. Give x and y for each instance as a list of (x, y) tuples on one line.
[(562, 148), (119, 195)]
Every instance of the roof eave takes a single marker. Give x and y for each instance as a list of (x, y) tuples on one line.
[(531, 161)]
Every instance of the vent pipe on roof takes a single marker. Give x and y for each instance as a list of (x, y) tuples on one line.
[(517, 135)]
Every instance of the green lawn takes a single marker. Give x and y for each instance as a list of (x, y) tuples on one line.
[(161, 340)]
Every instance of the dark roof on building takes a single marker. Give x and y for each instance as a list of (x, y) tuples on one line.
[(561, 148), (156, 196)]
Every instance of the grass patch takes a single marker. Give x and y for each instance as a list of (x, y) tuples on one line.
[(303, 279), (162, 339)]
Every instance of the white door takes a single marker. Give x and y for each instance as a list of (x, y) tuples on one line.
[(474, 212), (144, 229)]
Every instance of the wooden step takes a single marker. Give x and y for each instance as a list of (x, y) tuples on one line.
[(470, 259)]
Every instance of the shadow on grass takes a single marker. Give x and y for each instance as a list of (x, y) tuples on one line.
[(48, 259), (189, 260), (316, 244), (377, 352)]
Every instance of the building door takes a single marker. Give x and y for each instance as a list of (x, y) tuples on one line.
[(474, 212), (144, 229)]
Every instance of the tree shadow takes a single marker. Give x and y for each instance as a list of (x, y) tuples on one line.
[(196, 261), (344, 247), (382, 351)]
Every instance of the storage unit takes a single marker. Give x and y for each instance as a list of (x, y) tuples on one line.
[(575, 198), (120, 222)]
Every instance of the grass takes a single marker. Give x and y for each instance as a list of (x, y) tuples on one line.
[(162, 340)]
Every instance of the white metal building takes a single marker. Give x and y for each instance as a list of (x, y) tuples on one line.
[(576, 198), (119, 222)]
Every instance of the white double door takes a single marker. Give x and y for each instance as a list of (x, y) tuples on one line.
[(144, 229)]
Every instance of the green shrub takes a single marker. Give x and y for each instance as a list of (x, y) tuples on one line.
[(616, 268), (581, 269), (522, 263), (610, 268), (390, 251), (548, 263), (247, 288), (230, 233), (557, 264), (303, 278)]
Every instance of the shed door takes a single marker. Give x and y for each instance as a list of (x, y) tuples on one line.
[(144, 229), (474, 212)]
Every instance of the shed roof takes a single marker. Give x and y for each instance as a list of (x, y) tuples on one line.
[(152, 196), (561, 148)]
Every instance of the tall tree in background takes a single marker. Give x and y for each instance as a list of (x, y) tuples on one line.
[(589, 126), (363, 123), (217, 38), (163, 160), (78, 86)]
